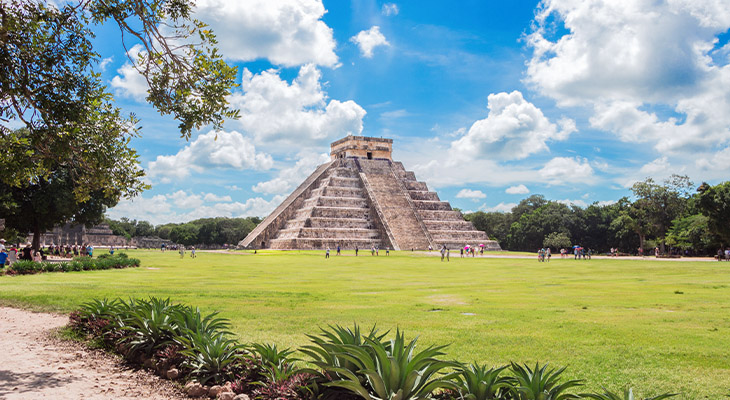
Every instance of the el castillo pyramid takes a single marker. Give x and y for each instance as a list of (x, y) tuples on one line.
[(363, 198)]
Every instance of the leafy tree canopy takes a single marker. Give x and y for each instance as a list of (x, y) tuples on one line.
[(74, 140)]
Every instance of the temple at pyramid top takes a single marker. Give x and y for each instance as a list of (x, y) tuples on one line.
[(362, 147), (361, 198)]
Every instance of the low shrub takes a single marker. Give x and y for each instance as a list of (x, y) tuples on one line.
[(348, 364), (25, 267)]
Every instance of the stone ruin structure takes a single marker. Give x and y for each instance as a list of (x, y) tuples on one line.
[(363, 198), (98, 235)]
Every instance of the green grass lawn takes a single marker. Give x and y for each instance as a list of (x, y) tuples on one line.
[(655, 325)]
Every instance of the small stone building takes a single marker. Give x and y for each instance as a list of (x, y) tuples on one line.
[(362, 198), (99, 235)]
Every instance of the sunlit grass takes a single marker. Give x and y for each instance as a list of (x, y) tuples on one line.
[(655, 325)]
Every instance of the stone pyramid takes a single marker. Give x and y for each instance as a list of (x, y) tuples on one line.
[(362, 198)]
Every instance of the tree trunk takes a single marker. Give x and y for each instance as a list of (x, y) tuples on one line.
[(642, 239), (36, 237)]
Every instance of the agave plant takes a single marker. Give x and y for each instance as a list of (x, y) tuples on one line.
[(277, 365), (477, 382), (541, 383), (189, 320), (100, 308), (327, 351), (628, 394), (150, 324), (394, 371), (209, 357)]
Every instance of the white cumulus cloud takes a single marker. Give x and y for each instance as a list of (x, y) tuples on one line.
[(519, 189), (130, 83), (474, 195), (211, 150), (567, 170), (286, 32), (285, 115), (501, 207), (513, 129), (369, 40), (181, 206), (288, 178), (628, 59)]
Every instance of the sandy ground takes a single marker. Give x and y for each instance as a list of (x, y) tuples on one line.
[(34, 364)]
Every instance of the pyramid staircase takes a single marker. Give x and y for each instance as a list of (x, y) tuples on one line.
[(335, 213)]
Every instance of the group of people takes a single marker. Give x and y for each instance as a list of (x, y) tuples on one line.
[(12, 253), (471, 250), (723, 255), (374, 251), (579, 252), (544, 254), (181, 249)]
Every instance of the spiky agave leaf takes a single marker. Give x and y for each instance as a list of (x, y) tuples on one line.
[(477, 382), (541, 383)]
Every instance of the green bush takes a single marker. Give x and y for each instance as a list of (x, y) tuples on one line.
[(348, 364), (24, 267)]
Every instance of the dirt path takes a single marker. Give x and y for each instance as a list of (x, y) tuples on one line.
[(36, 365)]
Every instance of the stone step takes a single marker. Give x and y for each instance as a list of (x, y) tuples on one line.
[(449, 225), (405, 175), (343, 172), (321, 244), (440, 215), (329, 233), (423, 195), (334, 212), (356, 223), (415, 185), (333, 191), (342, 182), (326, 201), (432, 205)]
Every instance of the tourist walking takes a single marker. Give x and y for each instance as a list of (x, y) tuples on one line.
[(4, 257), (443, 252), (181, 249), (356, 250), (448, 254), (548, 253), (338, 249), (192, 252), (327, 253)]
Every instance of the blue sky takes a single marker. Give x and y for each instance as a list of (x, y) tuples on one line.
[(488, 102)]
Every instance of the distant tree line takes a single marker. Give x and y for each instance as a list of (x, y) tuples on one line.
[(672, 215), (204, 231)]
